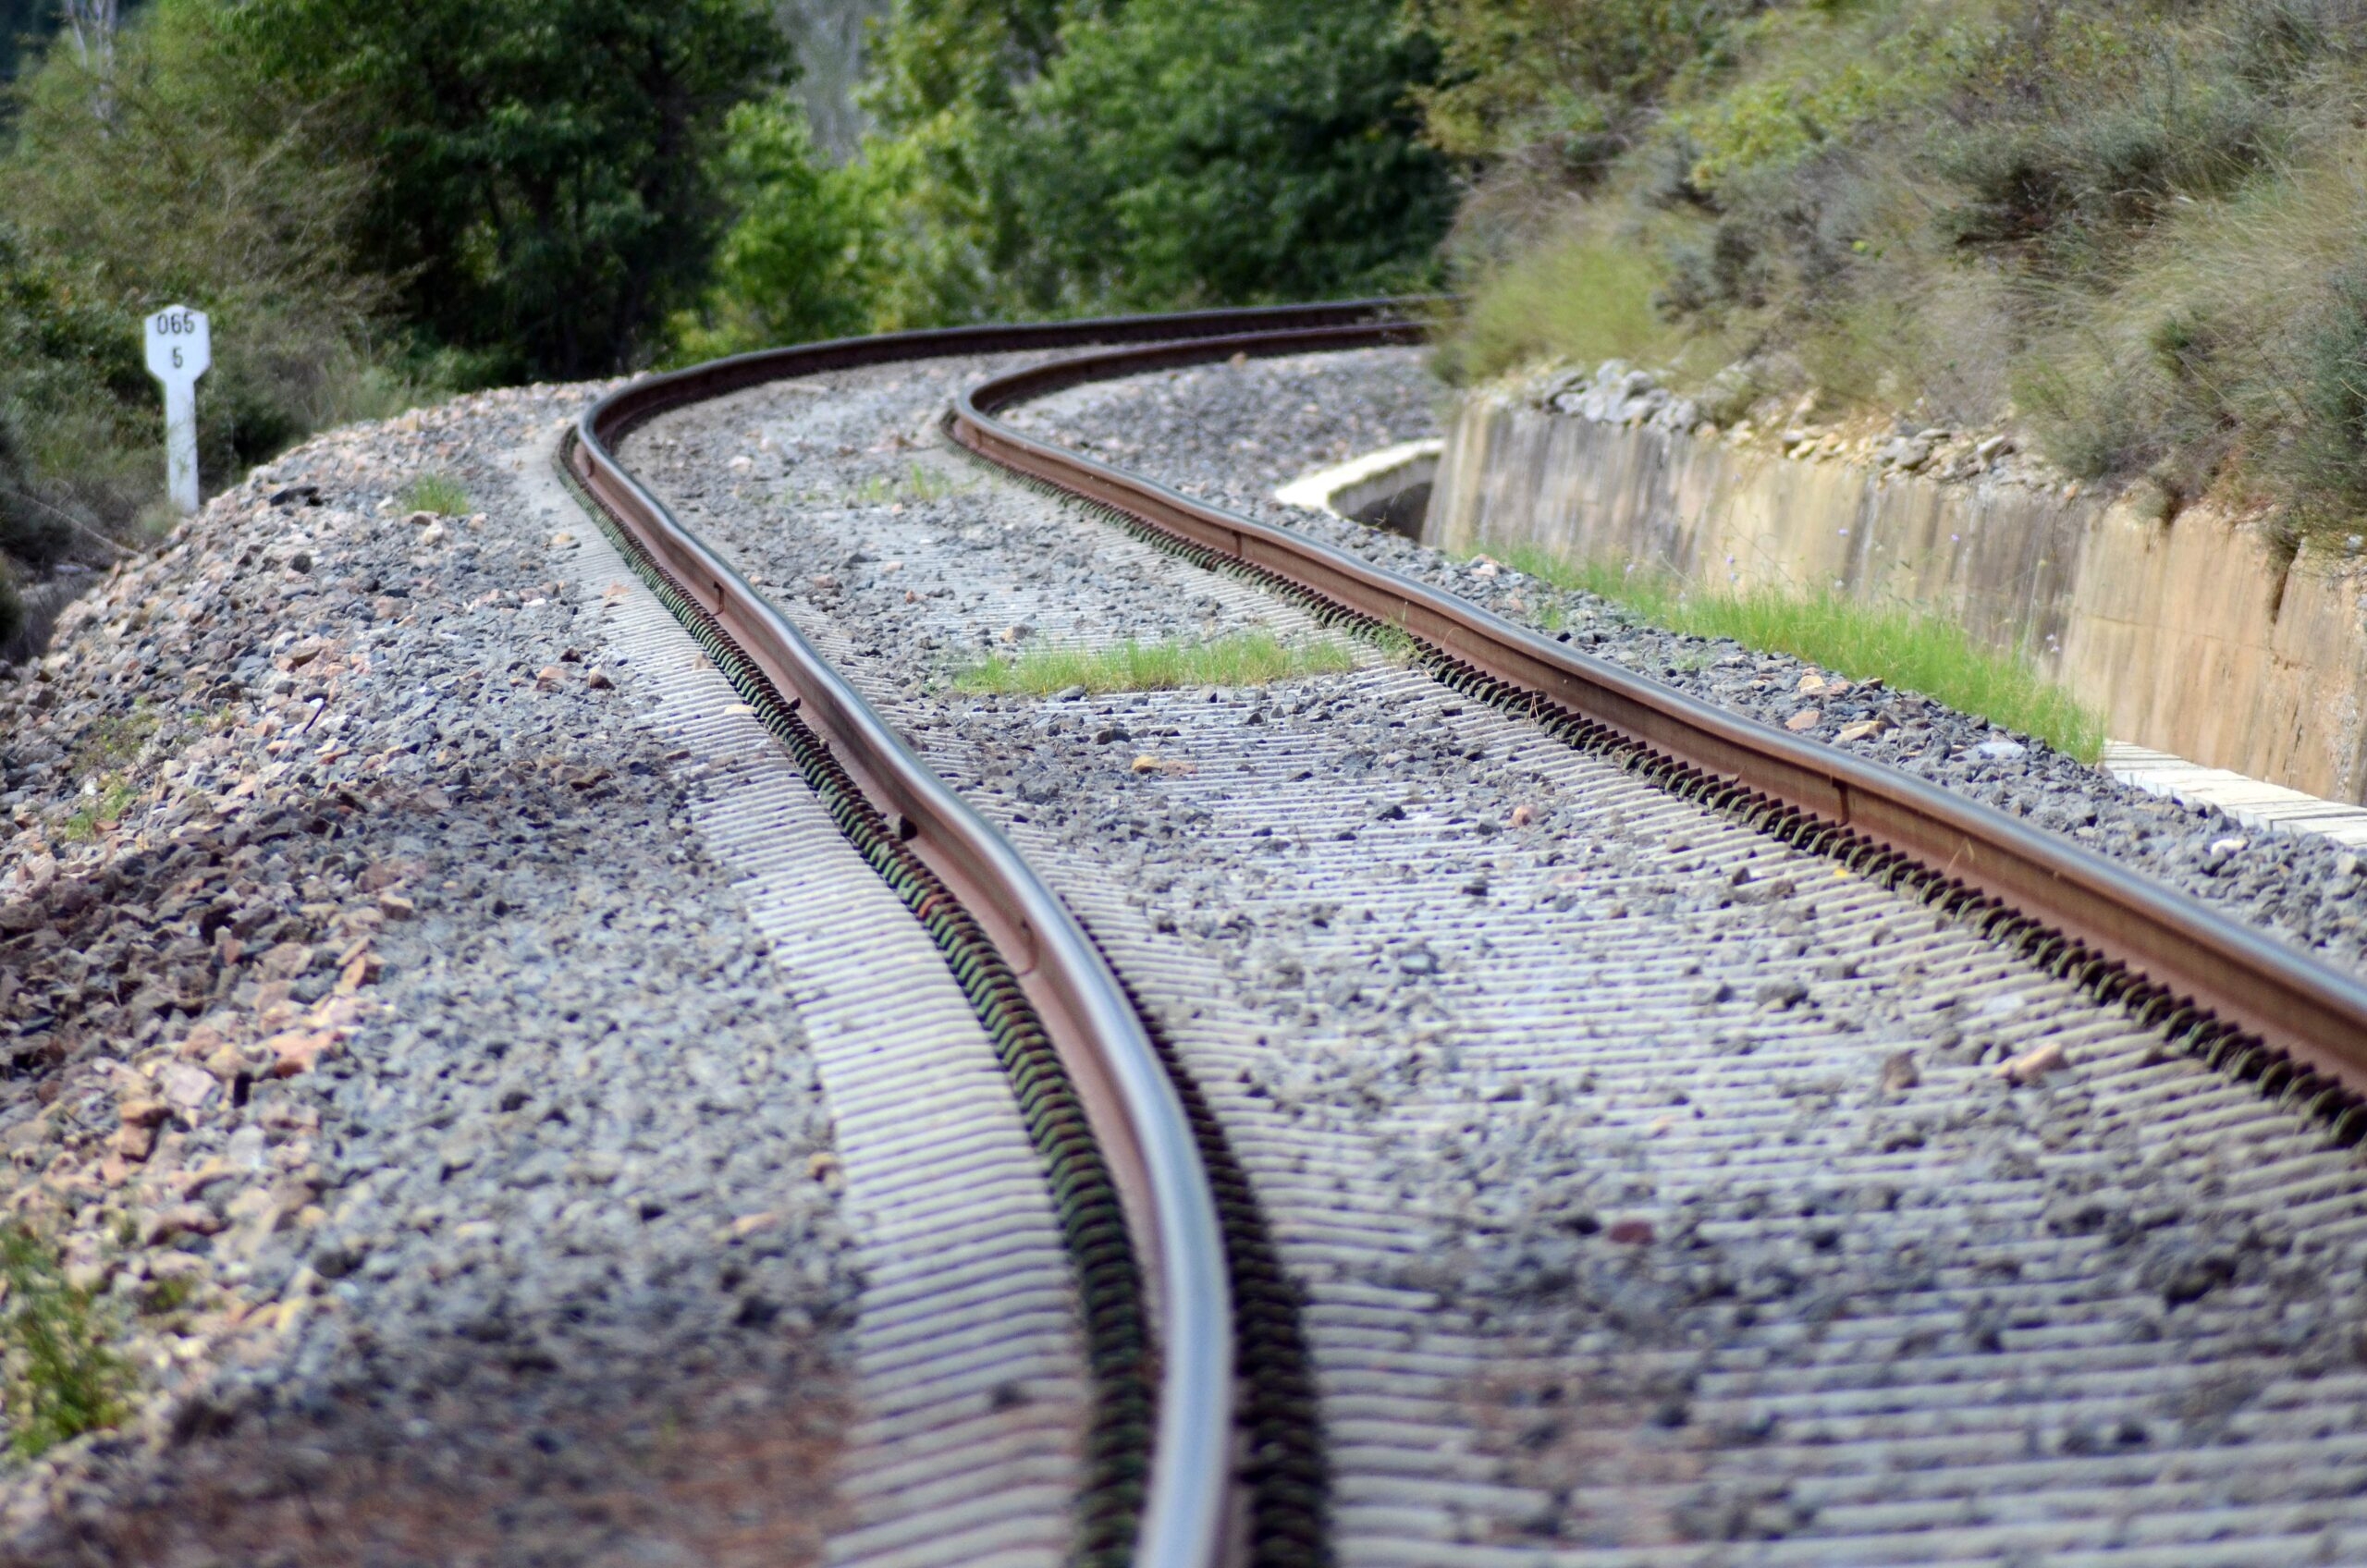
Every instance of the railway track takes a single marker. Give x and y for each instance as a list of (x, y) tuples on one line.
[(1551, 1118)]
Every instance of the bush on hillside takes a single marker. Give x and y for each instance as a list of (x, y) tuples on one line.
[(2327, 460), (1566, 81), (2135, 225), (797, 263)]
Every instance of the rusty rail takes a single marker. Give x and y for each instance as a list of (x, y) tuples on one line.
[(2209, 975), (1189, 1516), (2216, 974)]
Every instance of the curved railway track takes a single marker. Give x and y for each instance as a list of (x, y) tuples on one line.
[(1185, 1215)]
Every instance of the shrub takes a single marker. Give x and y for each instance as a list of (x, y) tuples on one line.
[(1070, 158), (796, 264), (2328, 459), (1576, 298), (1519, 72), (2219, 361), (64, 1377)]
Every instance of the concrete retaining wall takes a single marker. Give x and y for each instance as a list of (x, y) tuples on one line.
[(2190, 636)]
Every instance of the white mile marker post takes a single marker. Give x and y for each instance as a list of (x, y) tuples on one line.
[(180, 349)]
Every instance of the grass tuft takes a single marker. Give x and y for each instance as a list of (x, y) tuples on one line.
[(64, 1377), (115, 795), (1908, 649), (1248, 658), (917, 483), (113, 741), (1576, 299), (436, 493), (164, 1297)]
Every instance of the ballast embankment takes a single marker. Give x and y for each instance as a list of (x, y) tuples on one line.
[(390, 1063)]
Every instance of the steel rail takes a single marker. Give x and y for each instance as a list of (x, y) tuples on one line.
[(2213, 968), (1188, 1511)]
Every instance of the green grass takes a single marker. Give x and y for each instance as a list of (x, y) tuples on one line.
[(436, 493), (1907, 649), (64, 1377), (918, 483), (115, 796), (113, 741), (1248, 658), (1576, 299)]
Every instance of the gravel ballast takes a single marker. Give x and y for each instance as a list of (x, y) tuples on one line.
[(384, 1053), (1625, 1159), (1231, 434)]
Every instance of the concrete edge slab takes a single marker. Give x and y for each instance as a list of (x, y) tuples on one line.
[(2262, 807), (1344, 487)]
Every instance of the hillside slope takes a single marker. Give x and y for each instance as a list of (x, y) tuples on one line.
[(2128, 230)]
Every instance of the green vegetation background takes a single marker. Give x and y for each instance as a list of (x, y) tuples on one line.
[(2130, 229), (381, 203), (2135, 231)]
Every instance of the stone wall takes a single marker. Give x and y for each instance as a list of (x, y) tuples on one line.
[(2190, 635)]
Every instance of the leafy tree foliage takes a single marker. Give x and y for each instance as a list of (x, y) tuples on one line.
[(950, 59), (180, 173), (376, 201), (546, 179), (1069, 156), (797, 263)]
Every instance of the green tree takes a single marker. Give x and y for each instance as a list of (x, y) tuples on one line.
[(176, 171), (1078, 157), (546, 169), (1243, 151), (796, 264), (946, 59)]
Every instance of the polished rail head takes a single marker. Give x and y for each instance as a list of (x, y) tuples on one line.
[(2312, 1012), (1133, 1104)]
